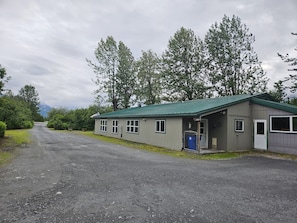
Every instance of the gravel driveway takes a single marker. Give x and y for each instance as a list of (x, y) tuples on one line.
[(63, 177)]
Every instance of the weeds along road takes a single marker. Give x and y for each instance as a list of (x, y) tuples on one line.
[(63, 177)]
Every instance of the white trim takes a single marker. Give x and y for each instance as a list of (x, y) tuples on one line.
[(103, 125), (160, 126), (260, 140), (235, 125), (291, 123), (115, 126), (132, 126)]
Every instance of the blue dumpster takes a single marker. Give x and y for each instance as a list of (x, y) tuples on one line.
[(192, 142)]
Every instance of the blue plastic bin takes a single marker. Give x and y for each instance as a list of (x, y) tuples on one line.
[(192, 142)]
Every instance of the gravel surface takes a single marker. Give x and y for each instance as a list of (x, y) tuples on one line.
[(64, 177)]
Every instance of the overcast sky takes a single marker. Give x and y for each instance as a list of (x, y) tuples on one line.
[(45, 43)]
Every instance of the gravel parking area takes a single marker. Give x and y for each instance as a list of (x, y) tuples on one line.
[(63, 177)]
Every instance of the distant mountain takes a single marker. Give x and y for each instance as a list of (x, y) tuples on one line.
[(44, 109)]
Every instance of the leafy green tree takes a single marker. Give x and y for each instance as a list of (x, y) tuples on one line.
[(232, 64), (30, 96), (182, 67), (3, 78), (125, 77), (15, 113), (107, 57), (292, 62), (77, 119), (148, 88)]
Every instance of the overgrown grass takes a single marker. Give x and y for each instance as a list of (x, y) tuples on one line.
[(12, 140)]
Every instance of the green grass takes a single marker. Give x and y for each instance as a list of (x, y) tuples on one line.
[(160, 150), (184, 154), (11, 140)]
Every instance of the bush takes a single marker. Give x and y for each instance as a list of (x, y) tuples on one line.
[(27, 125), (2, 129), (59, 125)]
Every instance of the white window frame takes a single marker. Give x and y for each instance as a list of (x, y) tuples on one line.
[(235, 125), (103, 125), (291, 127), (132, 126), (158, 126), (115, 126)]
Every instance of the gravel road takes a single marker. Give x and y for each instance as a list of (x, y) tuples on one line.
[(64, 177)]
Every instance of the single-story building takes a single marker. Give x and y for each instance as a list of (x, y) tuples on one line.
[(232, 123)]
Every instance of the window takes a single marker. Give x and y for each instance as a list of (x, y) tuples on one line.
[(132, 126), (285, 124), (160, 126), (103, 125), (115, 126), (239, 125)]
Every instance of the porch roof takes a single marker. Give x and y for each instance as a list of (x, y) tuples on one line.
[(193, 108)]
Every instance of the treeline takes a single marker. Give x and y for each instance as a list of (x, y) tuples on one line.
[(222, 63), (77, 119), (18, 111)]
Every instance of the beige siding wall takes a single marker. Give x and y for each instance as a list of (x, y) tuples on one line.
[(277, 142), (172, 138), (239, 140)]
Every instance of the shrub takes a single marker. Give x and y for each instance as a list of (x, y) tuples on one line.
[(27, 125), (2, 129)]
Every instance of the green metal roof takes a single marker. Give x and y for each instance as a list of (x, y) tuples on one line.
[(272, 104), (179, 109)]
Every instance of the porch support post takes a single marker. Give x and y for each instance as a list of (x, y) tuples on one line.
[(198, 135)]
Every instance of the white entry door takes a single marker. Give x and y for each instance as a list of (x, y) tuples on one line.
[(260, 134), (204, 133)]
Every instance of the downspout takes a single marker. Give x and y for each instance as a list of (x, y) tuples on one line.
[(198, 135)]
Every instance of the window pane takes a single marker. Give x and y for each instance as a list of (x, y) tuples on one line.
[(136, 129), (157, 126), (260, 128), (136, 123), (238, 125), (295, 124), (132, 122), (162, 126), (281, 123)]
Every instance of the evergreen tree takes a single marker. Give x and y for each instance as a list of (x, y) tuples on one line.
[(232, 64), (292, 78), (278, 93)]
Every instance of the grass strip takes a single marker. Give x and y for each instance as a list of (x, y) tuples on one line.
[(11, 140), (161, 150), (185, 154)]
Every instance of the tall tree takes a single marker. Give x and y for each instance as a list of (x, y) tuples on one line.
[(292, 62), (278, 93), (30, 96), (3, 78), (182, 67), (107, 56), (148, 75), (125, 77), (232, 64)]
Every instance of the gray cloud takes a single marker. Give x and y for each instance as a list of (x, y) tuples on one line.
[(45, 43)]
